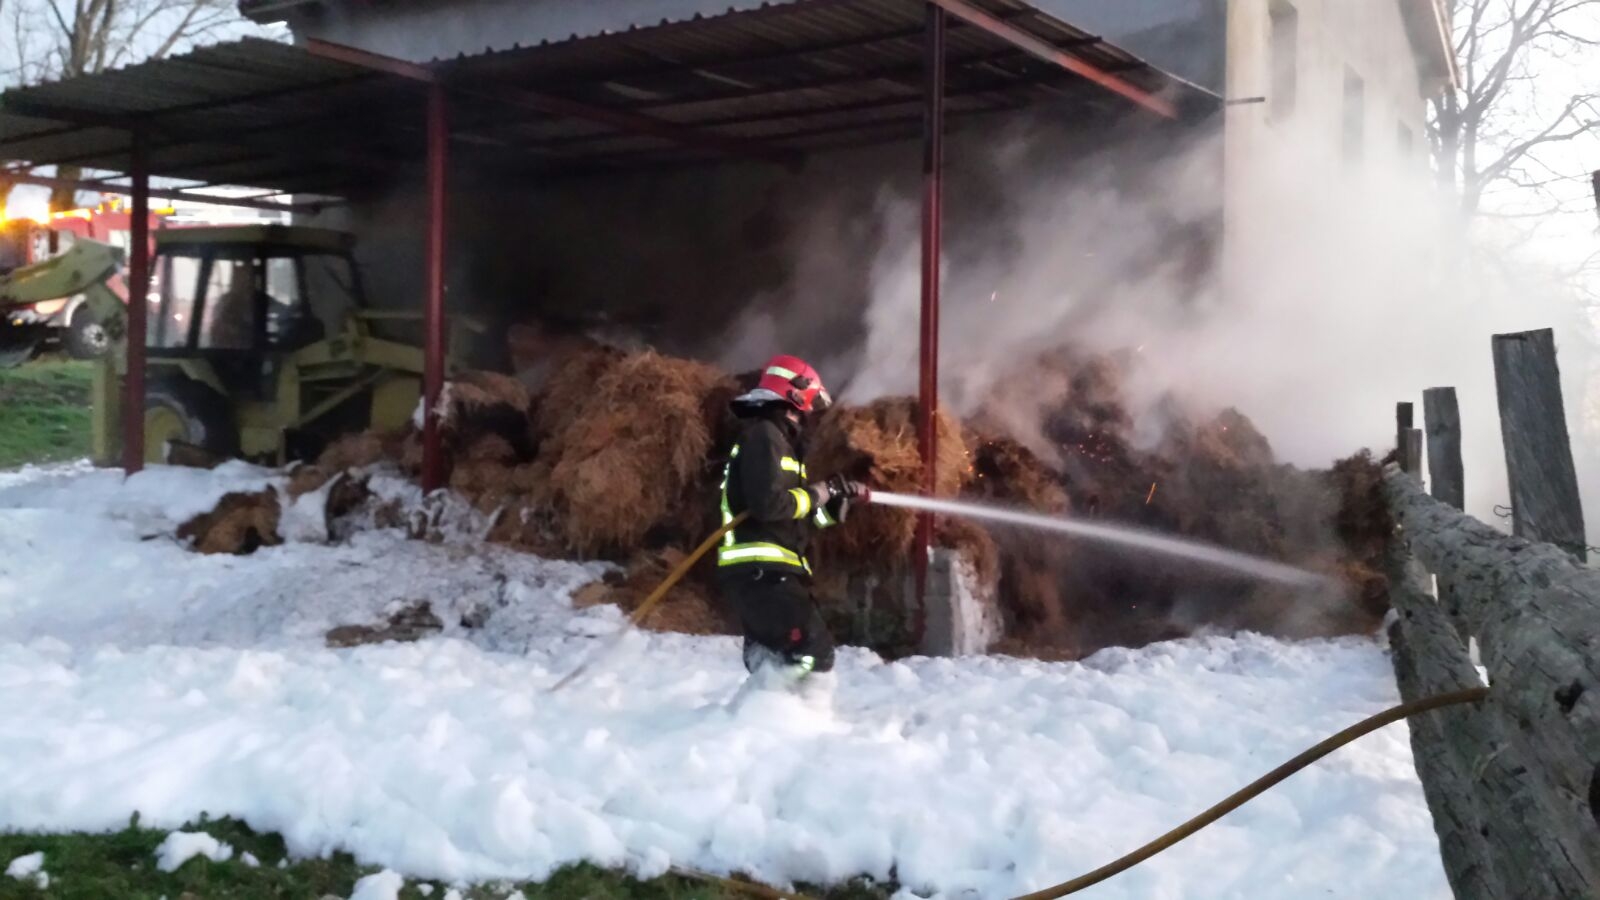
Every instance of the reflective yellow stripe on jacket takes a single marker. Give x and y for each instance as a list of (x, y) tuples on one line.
[(733, 553)]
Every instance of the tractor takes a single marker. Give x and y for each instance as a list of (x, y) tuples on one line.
[(259, 345)]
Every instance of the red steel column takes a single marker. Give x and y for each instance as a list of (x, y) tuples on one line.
[(433, 314), (932, 195), (138, 306)]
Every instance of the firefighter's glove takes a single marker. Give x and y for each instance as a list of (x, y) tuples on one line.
[(852, 491), (842, 493)]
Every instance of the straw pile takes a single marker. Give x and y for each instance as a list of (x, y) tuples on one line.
[(634, 456), (877, 446), (1028, 565), (241, 522), (687, 608)]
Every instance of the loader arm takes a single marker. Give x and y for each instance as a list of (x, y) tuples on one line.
[(83, 269)]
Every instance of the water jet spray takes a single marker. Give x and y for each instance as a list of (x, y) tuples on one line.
[(1139, 539)]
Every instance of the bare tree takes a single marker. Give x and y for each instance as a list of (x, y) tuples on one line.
[(1495, 133), (52, 39)]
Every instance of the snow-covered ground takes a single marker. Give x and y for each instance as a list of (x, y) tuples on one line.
[(135, 675)]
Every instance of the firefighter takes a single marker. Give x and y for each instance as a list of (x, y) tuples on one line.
[(762, 569)]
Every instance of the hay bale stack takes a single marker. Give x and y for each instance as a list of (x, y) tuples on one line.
[(522, 524), (354, 451), (1006, 472), (635, 449), (687, 608), (877, 445), (242, 522), (569, 387), (486, 417), (307, 478), (1364, 527), (1032, 568)]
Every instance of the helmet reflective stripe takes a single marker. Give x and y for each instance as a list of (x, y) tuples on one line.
[(781, 372)]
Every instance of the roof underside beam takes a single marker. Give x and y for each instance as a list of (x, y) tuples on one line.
[(623, 120), (99, 185), (1022, 40)]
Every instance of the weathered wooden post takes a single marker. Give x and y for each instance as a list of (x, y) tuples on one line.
[(1404, 421), (1522, 769), (1441, 417), (1407, 440), (1533, 424)]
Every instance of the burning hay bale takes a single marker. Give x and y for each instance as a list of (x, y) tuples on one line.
[(569, 386), (687, 608), (1029, 567), (636, 447), (1365, 528), (877, 445), (241, 523)]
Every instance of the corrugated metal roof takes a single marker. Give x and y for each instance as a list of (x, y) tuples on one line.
[(796, 78)]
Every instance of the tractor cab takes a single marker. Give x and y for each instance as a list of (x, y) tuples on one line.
[(237, 295), (259, 345)]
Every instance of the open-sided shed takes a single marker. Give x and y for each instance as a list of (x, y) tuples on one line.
[(774, 83)]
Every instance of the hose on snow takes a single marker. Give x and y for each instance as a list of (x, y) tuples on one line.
[(1229, 804), (650, 602)]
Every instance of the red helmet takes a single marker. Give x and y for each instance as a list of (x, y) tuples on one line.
[(792, 380)]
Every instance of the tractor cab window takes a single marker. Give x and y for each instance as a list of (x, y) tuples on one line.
[(287, 317), (333, 286), (179, 277), (233, 302)]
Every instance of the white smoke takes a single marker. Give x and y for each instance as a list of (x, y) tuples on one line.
[(1344, 288)]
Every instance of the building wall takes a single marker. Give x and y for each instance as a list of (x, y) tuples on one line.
[(1322, 127)]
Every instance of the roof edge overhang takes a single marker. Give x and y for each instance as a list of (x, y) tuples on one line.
[(1428, 28)]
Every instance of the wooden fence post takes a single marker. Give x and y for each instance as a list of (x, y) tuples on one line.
[(1533, 424), (1531, 751), (1441, 417), (1407, 440)]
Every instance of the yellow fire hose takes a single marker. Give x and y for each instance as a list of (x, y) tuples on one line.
[(1121, 864), (650, 602)]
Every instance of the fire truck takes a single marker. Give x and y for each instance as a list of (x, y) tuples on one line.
[(64, 322)]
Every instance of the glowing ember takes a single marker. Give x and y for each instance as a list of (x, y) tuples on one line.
[(1150, 496)]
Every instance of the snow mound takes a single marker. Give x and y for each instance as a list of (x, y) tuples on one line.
[(181, 846), (172, 684), (29, 868), (383, 885)]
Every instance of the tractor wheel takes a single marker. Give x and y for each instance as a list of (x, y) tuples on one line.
[(86, 338), (182, 410)]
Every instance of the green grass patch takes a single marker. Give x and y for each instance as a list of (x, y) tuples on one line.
[(44, 412), (122, 865)]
